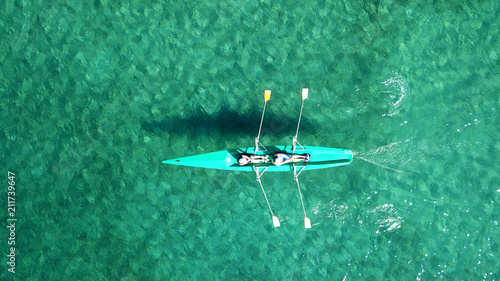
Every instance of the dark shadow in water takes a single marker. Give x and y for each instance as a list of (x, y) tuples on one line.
[(229, 122)]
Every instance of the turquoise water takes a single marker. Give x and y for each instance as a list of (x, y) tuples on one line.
[(95, 94)]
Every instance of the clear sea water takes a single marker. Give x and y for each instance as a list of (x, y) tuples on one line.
[(95, 94)]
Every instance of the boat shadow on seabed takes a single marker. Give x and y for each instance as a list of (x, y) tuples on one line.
[(227, 122)]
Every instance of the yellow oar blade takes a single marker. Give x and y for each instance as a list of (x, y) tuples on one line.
[(267, 95), (305, 93)]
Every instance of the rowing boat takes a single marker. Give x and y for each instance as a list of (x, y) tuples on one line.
[(320, 157), (282, 158)]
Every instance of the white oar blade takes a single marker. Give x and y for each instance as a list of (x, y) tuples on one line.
[(276, 221), (307, 222), (305, 93), (267, 95)]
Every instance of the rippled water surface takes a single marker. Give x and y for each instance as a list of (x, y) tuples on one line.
[(96, 94)]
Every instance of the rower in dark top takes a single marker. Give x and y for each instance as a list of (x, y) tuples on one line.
[(283, 158)]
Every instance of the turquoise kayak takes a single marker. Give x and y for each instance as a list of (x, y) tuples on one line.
[(319, 158)]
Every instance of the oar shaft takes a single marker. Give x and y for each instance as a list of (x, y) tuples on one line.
[(269, 205), (300, 194), (300, 117), (262, 119)]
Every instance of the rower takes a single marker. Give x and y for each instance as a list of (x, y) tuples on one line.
[(283, 158), (244, 159)]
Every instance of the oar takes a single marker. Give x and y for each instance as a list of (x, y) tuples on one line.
[(276, 221), (267, 96), (307, 221), (305, 93)]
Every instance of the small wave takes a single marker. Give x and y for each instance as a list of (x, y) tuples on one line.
[(331, 210), (388, 218), (396, 92)]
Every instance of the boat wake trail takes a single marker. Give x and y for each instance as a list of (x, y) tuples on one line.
[(418, 155), (393, 156), (378, 164)]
